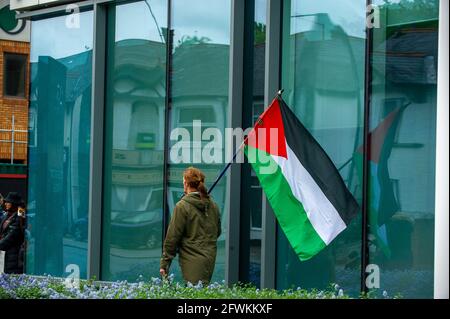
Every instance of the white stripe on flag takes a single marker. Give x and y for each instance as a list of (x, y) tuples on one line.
[(323, 216)]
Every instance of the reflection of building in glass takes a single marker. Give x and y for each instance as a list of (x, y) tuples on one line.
[(332, 76), (324, 67), (59, 152), (404, 80), (137, 151)]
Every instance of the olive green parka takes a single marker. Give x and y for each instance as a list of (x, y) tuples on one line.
[(192, 233)]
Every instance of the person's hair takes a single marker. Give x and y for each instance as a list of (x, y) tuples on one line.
[(196, 179)]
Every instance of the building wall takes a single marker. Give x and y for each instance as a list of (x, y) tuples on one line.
[(323, 76), (17, 107)]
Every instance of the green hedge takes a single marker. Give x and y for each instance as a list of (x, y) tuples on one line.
[(30, 287)]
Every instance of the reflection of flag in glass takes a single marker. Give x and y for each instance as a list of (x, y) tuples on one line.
[(382, 201)]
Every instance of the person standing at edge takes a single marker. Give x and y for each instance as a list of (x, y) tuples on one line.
[(11, 235), (2, 207), (193, 231)]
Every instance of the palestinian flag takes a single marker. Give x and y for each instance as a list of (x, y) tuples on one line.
[(304, 188), (382, 201)]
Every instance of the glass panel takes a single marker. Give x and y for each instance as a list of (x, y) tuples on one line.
[(253, 106), (133, 192), (200, 92), (403, 123), (323, 56), (60, 114)]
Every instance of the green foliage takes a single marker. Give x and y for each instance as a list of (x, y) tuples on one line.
[(418, 5), (260, 33), (410, 11), (29, 287), (4, 294), (30, 293), (191, 40)]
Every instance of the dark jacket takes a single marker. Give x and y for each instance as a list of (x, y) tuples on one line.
[(11, 239), (193, 232)]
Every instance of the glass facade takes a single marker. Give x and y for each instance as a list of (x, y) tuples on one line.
[(323, 56), (60, 106), (199, 92), (167, 88), (134, 147), (402, 142), (253, 106)]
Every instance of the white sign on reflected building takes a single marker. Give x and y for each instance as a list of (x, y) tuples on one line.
[(28, 4), (12, 29)]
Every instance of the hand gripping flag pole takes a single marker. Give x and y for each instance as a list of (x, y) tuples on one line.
[(236, 153)]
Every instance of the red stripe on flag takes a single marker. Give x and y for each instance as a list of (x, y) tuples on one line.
[(263, 137), (377, 137)]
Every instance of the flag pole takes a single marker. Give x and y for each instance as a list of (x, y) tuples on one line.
[(227, 166), (235, 155)]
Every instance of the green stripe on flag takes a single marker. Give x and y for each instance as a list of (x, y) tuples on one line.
[(290, 213)]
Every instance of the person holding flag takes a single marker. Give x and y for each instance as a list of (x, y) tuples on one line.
[(193, 231)]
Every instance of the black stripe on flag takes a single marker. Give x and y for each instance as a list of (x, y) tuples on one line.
[(318, 164)]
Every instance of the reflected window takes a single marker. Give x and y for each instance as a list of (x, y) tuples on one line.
[(403, 140), (323, 57), (134, 153), (199, 91), (60, 111), (253, 107), (14, 74)]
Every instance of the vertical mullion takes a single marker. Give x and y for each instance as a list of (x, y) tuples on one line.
[(96, 149), (233, 184), (247, 105), (366, 145), (271, 87), (441, 256), (168, 107)]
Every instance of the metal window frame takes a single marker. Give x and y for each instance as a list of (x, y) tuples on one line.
[(167, 113), (441, 246), (42, 12), (365, 257), (441, 252), (233, 183), (272, 83), (247, 121), (95, 203), (271, 86), (97, 142), (98, 124)]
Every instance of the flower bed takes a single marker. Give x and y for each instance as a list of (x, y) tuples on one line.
[(30, 287)]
